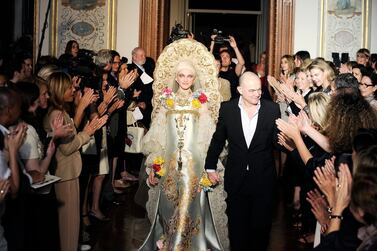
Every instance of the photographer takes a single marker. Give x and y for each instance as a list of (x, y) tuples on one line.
[(229, 70)]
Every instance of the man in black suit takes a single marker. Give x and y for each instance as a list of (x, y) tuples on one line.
[(248, 123), (144, 65)]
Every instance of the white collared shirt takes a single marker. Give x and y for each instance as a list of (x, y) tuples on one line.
[(249, 125)]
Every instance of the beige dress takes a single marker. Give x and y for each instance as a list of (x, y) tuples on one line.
[(182, 216)]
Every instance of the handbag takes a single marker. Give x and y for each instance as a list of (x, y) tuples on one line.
[(135, 134)]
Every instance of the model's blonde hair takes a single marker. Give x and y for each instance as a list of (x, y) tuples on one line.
[(46, 71), (58, 84), (325, 67), (317, 104)]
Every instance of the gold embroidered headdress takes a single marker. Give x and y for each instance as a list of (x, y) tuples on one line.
[(203, 62)]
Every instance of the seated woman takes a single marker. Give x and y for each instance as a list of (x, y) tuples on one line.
[(186, 103)]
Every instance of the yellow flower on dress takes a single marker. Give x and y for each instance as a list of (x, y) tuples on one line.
[(196, 103), (205, 183), (159, 160), (169, 102), (162, 172)]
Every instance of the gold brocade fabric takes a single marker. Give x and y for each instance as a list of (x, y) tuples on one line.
[(184, 220)]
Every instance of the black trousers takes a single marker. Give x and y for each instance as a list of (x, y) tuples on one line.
[(250, 216)]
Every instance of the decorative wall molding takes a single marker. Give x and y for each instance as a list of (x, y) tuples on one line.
[(344, 27), (92, 25)]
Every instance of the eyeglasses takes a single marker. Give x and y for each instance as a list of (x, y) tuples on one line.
[(367, 84)]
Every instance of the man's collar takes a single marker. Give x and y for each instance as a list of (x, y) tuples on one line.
[(240, 103)]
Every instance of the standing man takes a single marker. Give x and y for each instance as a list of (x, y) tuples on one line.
[(248, 124), (145, 67)]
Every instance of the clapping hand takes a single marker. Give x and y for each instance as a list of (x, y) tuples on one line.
[(319, 206), (289, 129), (343, 190), (127, 79), (88, 98), (16, 137), (286, 142), (303, 122), (116, 105), (326, 181), (95, 124), (59, 129), (109, 95)]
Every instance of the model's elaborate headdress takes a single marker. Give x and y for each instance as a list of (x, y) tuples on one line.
[(203, 62)]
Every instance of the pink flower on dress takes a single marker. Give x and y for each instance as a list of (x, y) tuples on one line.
[(168, 91)]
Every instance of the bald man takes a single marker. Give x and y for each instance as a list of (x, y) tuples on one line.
[(248, 124)]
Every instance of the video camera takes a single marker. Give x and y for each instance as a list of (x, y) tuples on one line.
[(220, 38), (177, 32)]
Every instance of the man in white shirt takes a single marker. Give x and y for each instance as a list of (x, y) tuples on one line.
[(248, 124)]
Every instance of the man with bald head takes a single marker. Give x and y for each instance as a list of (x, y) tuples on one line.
[(248, 124)]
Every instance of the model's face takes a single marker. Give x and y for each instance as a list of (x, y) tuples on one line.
[(262, 59), (139, 57), (284, 66), (357, 74), (28, 67), (115, 64), (298, 62), (43, 96), (75, 49), (366, 87), (69, 94), (318, 76), (302, 82), (185, 79), (123, 70), (225, 59), (361, 58), (344, 69), (251, 91)]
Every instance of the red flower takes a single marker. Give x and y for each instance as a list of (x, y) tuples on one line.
[(156, 168), (203, 98)]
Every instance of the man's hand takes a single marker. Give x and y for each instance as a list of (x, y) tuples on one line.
[(213, 177)]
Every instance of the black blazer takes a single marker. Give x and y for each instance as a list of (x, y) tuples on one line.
[(259, 156)]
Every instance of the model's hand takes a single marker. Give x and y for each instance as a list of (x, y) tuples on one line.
[(213, 177), (153, 181)]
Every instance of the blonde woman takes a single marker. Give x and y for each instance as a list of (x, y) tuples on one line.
[(322, 75), (68, 159)]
